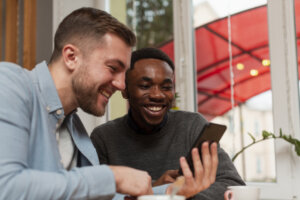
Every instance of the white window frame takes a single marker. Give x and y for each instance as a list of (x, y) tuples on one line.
[(184, 51), (285, 94)]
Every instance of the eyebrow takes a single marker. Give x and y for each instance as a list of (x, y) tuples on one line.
[(167, 80), (119, 62), (145, 78)]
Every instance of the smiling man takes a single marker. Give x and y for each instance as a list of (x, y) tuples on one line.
[(152, 137), (150, 91), (45, 152)]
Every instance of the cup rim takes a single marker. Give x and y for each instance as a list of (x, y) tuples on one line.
[(161, 195), (242, 187)]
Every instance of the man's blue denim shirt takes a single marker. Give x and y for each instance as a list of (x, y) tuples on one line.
[(30, 166)]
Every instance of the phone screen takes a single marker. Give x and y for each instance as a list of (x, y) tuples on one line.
[(211, 132)]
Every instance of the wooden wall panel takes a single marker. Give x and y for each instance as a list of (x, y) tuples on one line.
[(29, 45), (11, 30)]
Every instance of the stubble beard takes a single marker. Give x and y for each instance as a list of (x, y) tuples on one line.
[(86, 93)]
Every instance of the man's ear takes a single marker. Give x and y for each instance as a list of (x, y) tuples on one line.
[(70, 54), (125, 93)]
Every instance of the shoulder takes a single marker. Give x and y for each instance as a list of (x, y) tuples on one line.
[(14, 81), (11, 69), (110, 126), (10, 66), (113, 124), (16, 95), (188, 120), (13, 76), (187, 116)]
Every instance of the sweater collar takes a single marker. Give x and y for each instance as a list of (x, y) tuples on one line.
[(132, 124)]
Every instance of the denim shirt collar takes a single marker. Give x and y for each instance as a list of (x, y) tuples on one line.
[(47, 88)]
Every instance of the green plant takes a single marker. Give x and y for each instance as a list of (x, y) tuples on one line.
[(175, 102), (268, 135)]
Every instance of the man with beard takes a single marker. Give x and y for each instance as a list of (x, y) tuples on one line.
[(152, 137), (45, 152)]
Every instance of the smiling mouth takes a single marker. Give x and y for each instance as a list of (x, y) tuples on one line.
[(105, 93), (154, 108)]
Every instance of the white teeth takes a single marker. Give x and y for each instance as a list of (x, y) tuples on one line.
[(155, 108), (104, 93)]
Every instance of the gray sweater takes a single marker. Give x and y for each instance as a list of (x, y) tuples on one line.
[(118, 144)]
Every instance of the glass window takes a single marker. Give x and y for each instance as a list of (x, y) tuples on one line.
[(152, 21), (233, 82)]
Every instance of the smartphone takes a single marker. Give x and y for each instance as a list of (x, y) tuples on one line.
[(211, 132)]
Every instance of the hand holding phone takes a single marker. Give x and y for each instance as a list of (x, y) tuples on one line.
[(205, 172), (212, 133)]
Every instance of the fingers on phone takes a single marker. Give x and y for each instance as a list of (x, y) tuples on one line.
[(206, 161), (204, 170), (186, 171), (198, 167), (215, 160)]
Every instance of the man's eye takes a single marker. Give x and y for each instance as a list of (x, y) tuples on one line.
[(113, 68), (144, 87), (167, 88)]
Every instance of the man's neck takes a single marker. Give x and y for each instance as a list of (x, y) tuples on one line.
[(62, 80), (146, 128)]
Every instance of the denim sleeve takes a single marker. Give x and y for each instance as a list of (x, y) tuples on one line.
[(17, 179)]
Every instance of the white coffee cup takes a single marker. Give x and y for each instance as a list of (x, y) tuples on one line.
[(161, 197), (242, 193)]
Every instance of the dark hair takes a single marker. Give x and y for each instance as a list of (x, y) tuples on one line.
[(150, 53), (84, 26)]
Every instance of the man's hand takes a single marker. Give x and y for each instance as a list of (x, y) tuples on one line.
[(132, 181), (168, 177), (205, 171)]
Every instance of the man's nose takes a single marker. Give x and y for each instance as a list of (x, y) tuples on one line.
[(156, 93), (119, 81)]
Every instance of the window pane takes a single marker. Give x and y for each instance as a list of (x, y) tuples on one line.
[(152, 20), (250, 79)]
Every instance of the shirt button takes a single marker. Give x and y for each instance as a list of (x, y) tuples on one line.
[(48, 108), (59, 112)]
